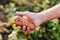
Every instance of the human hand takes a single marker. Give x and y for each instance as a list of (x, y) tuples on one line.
[(30, 19), (23, 24)]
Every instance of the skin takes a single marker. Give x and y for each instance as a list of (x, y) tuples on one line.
[(42, 17), (20, 21)]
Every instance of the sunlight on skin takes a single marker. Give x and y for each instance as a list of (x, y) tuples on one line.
[(23, 22)]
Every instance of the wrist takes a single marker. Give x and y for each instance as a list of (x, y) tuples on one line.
[(45, 16), (39, 18)]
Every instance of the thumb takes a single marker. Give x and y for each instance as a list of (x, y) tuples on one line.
[(22, 13), (26, 14)]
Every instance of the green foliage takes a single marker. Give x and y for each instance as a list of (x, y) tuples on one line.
[(47, 31)]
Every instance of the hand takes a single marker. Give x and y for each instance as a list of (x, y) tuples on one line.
[(22, 23), (30, 19)]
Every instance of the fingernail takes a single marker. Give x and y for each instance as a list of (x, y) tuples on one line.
[(24, 17), (28, 28), (24, 27), (19, 27), (17, 12), (15, 17)]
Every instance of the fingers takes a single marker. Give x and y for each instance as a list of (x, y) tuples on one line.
[(24, 28), (23, 24), (21, 21), (26, 15), (21, 13)]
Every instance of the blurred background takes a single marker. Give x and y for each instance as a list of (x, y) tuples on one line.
[(9, 31)]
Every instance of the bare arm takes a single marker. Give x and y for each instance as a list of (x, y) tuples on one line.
[(49, 14), (43, 16)]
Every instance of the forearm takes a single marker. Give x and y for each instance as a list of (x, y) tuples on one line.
[(49, 14)]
